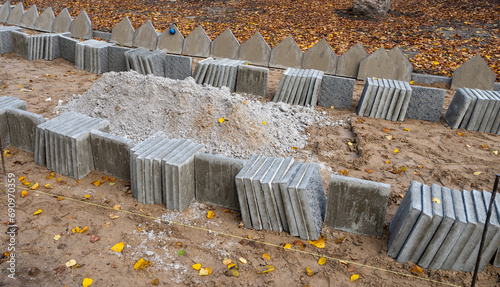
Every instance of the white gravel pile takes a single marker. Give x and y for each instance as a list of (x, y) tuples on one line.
[(138, 106)]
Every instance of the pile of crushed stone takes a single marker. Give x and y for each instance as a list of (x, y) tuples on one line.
[(228, 124)]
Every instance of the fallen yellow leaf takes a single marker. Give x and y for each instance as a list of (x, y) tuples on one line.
[(87, 282), (113, 216), (243, 260), (309, 271), (50, 176), (322, 261), (25, 182), (205, 271), (354, 277), (477, 173), (386, 130), (436, 200), (34, 186), (111, 179), (266, 256), (226, 261), (96, 183), (368, 170), (117, 207), (389, 137), (264, 123), (396, 150), (37, 212), (343, 262), (387, 161), (118, 247), (416, 270), (495, 152), (407, 129), (155, 282), (210, 214), (6, 153), (104, 178), (320, 243), (57, 237), (24, 193), (221, 120), (350, 143), (78, 230), (87, 196), (412, 82), (267, 269), (196, 266), (22, 178), (48, 186), (287, 246), (484, 146), (70, 263), (141, 263), (229, 266)]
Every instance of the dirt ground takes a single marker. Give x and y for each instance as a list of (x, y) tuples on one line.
[(431, 152)]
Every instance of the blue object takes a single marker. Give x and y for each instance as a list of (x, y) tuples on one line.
[(172, 31)]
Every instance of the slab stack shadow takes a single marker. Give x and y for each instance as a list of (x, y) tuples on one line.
[(281, 195), (474, 110), (299, 87), (63, 143), (162, 171), (217, 73), (439, 228), (385, 99)]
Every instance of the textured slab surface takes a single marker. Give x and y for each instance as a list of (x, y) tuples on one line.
[(123, 33), (286, 54), (378, 64), (457, 108), (111, 154), (321, 57), (255, 51), (146, 36), (62, 23), (45, 22), (171, 43), (225, 46), (81, 27), (30, 17), (22, 127), (474, 74), (178, 67), (215, 180), (197, 43), (252, 80), (5, 11), (404, 68), (426, 104), (16, 14), (348, 63)]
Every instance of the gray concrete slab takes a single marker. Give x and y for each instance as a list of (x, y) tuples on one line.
[(366, 94), (269, 198), (259, 193), (200, 77), (406, 102), (293, 93), (6, 39), (150, 177), (158, 175), (281, 84), (111, 154), (436, 220), (478, 112), (286, 54), (381, 90), (144, 171), (405, 218), (82, 148), (220, 76), (398, 87), (178, 67), (52, 155), (294, 199), (275, 185), (493, 235), (197, 43), (65, 160), (451, 238), (285, 78), (316, 90), (419, 229), (240, 188), (457, 108), (470, 109), (336, 92), (168, 180), (4, 129), (311, 88), (393, 93), (62, 23), (494, 113), (474, 74), (157, 62), (233, 75), (496, 259), (183, 177), (40, 145), (289, 87), (215, 180), (356, 205), (255, 51), (252, 80), (488, 112), (250, 193), (312, 199), (384, 102), (425, 104), (301, 93), (287, 201), (20, 43)]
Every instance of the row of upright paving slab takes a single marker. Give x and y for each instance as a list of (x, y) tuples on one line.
[(441, 228)]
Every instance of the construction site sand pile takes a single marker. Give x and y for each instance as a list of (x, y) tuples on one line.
[(227, 124)]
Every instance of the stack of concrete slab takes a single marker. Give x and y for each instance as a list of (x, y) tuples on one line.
[(385, 99), (146, 62), (162, 171), (92, 55), (22, 128), (440, 228), (6, 103), (44, 46), (280, 194), (6, 39), (299, 87), (64, 145), (111, 154), (218, 73), (475, 110)]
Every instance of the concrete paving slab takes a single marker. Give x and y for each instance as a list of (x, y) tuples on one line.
[(398, 87), (302, 89), (252, 80), (178, 67), (168, 180), (494, 112), (470, 109), (259, 193), (366, 94), (419, 229), (311, 88), (294, 199), (250, 193), (158, 174), (336, 92), (289, 86), (281, 84), (215, 180), (457, 108), (374, 106), (82, 148), (293, 94), (275, 184), (240, 188), (287, 201), (488, 112), (389, 98), (22, 126), (149, 175), (405, 218), (312, 199), (183, 177), (478, 112), (317, 88), (406, 102), (269, 199), (111, 154), (493, 235), (383, 104)]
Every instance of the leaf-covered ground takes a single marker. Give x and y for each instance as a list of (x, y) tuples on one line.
[(438, 35)]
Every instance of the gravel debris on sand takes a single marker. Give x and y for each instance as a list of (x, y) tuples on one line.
[(227, 124)]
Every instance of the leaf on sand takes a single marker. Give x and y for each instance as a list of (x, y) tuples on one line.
[(48, 186), (266, 269), (407, 129), (243, 260), (113, 216), (299, 243), (396, 150), (266, 256), (50, 176), (181, 252), (320, 243), (221, 120), (229, 266), (368, 170), (386, 130), (196, 266), (34, 186), (205, 271), (70, 263), (226, 261), (495, 152), (484, 146), (79, 230), (436, 200), (232, 271), (155, 282), (104, 178), (389, 137), (118, 247), (57, 237), (24, 193), (343, 262), (117, 207), (87, 282), (94, 238), (210, 214), (339, 240), (309, 271), (416, 270), (4, 257), (477, 173), (37, 212), (354, 277), (322, 261), (141, 263), (287, 246), (96, 183)]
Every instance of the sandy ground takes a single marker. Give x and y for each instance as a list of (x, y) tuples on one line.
[(430, 151)]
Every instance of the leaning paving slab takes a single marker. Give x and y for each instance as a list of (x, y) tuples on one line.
[(111, 154), (22, 127)]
